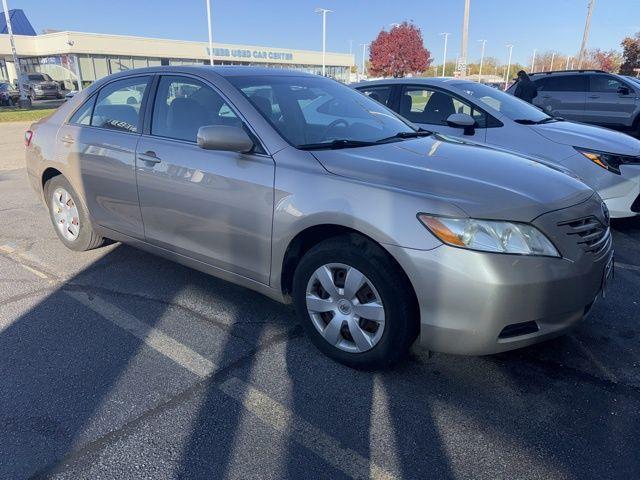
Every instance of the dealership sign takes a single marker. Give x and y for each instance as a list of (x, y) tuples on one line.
[(248, 54)]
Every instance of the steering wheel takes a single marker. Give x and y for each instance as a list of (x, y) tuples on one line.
[(332, 125)]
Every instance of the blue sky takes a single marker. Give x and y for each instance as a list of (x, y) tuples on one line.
[(541, 24)]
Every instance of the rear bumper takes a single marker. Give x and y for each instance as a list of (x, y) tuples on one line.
[(467, 298)]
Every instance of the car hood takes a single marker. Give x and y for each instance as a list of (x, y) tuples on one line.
[(588, 136), (483, 182)]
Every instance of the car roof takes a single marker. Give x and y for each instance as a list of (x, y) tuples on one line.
[(569, 72), (432, 81)]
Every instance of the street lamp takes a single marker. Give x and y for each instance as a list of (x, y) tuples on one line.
[(324, 12), (364, 53), (210, 33), (533, 61), (444, 55), (553, 56), (24, 101), (506, 77), (481, 60)]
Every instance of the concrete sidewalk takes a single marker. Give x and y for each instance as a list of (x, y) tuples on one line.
[(12, 145)]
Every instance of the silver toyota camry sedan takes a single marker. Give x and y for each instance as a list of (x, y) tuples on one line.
[(307, 191)]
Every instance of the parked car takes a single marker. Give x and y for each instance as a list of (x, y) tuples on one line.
[(9, 95), (589, 96), (606, 160), (379, 233), (40, 85)]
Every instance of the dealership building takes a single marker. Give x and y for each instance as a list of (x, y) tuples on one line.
[(72, 56)]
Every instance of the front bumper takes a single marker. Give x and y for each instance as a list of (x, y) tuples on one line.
[(467, 298)]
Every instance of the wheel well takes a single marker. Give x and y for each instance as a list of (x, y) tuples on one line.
[(310, 237), (48, 174)]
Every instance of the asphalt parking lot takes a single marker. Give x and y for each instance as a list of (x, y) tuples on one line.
[(118, 364)]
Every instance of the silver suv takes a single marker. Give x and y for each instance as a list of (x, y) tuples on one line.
[(303, 189), (40, 85), (589, 96)]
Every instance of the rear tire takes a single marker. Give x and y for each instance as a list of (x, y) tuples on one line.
[(69, 216), (339, 313)]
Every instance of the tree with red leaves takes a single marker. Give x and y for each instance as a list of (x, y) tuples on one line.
[(399, 52)]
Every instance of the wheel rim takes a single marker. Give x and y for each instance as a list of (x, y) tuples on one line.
[(345, 307), (65, 214)]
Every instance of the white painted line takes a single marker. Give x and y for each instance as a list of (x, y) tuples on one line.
[(11, 251), (152, 337), (608, 374), (274, 414), (284, 420), (626, 266)]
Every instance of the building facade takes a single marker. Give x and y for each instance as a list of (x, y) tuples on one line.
[(71, 56)]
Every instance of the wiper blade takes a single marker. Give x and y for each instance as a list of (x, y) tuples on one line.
[(550, 119), (414, 134), (335, 144), (526, 121)]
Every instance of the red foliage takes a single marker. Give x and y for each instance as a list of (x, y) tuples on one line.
[(399, 52)]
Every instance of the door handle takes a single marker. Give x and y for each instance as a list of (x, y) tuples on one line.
[(594, 96), (546, 96), (67, 139), (149, 157)]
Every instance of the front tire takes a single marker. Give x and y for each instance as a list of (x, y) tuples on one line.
[(355, 303), (69, 216)]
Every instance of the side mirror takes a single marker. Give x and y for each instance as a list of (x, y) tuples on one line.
[(462, 120), (623, 90), (223, 137)]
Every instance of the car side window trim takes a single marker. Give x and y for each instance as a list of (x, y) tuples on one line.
[(262, 150), (492, 122), (95, 95), (92, 98)]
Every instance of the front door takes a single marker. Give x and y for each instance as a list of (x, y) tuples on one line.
[(101, 139), (213, 206), (430, 109), (610, 102)]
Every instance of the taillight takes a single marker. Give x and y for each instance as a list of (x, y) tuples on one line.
[(28, 135)]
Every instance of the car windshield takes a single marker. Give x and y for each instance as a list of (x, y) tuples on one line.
[(315, 112), (39, 77), (510, 106)]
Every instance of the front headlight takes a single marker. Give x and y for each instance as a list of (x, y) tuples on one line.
[(608, 161), (489, 235)]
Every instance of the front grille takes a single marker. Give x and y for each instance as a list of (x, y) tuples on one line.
[(591, 234)]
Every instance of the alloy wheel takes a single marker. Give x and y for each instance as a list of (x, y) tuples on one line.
[(65, 214)]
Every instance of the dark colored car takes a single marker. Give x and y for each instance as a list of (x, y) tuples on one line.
[(40, 85), (9, 95), (589, 96)]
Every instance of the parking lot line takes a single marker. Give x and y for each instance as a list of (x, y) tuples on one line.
[(626, 266), (152, 337), (284, 420), (269, 411)]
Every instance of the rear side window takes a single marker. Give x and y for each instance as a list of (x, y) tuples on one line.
[(565, 83), (380, 94), (184, 104), (118, 105), (83, 114)]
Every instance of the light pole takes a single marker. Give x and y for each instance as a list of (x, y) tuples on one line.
[(533, 61), (24, 101), (506, 77), (462, 62), (553, 56), (444, 55), (481, 60), (210, 32), (567, 65), (364, 53), (324, 12), (585, 35)]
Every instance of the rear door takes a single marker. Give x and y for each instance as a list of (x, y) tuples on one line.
[(214, 206), (610, 102), (430, 108), (101, 139), (563, 96)]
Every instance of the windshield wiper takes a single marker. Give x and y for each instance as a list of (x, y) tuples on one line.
[(550, 119), (335, 144), (525, 121), (412, 134)]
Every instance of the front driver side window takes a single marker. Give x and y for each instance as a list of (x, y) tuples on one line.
[(184, 104)]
